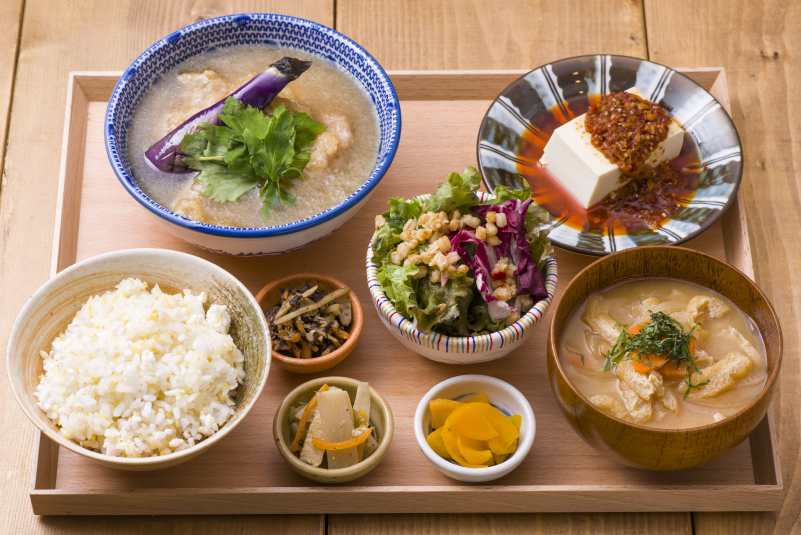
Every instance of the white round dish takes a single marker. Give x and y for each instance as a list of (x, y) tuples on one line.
[(457, 349), (502, 396), (54, 305)]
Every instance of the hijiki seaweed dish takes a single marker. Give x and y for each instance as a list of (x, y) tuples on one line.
[(307, 323)]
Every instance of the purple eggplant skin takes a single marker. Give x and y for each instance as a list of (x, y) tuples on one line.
[(166, 154)]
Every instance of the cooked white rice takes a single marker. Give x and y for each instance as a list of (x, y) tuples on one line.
[(139, 373)]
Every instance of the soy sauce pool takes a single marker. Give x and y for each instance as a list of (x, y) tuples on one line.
[(550, 194)]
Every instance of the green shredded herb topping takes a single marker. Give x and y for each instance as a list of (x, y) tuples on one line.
[(251, 149), (663, 336)]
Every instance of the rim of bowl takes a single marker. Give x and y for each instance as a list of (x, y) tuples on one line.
[(377, 455), (127, 181), (453, 344), (768, 382), (707, 222), (355, 333), (176, 256), (523, 446)]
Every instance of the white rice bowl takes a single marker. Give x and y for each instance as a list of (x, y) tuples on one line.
[(141, 374)]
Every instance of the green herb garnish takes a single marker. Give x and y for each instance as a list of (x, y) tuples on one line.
[(664, 336), (251, 150)]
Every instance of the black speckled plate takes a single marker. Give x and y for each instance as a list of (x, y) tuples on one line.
[(520, 121)]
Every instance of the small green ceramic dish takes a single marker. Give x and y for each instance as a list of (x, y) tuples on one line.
[(380, 418)]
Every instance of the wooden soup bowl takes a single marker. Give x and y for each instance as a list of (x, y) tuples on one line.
[(645, 447)]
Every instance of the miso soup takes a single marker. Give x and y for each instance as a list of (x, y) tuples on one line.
[(664, 353)]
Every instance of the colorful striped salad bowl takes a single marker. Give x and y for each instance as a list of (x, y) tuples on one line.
[(458, 349)]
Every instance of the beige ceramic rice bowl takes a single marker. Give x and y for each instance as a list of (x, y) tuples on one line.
[(48, 312)]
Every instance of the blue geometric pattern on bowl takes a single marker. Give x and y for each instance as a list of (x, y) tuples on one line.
[(569, 82), (250, 29)]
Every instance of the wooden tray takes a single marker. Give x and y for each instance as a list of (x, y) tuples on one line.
[(245, 473)]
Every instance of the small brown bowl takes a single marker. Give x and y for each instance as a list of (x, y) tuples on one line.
[(268, 296), (380, 418), (645, 447)]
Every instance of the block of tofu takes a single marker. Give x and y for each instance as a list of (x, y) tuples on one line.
[(586, 173)]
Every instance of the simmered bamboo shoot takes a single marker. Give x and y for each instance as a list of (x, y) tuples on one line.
[(336, 414), (310, 453)]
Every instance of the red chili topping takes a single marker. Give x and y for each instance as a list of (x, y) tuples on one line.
[(499, 276), (626, 129), (650, 199)]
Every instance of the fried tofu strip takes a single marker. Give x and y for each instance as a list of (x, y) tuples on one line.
[(746, 346), (600, 321), (643, 385), (610, 405), (702, 358), (639, 409), (722, 376), (668, 400), (714, 307)]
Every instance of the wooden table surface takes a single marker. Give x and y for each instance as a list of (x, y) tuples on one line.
[(757, 41)]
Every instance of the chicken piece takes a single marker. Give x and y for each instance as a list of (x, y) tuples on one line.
[(610, 405), (323, 151), (189, 208), (643, 385), (600, 321), (722, 376), (310, 453), (201, 90), (741, 340), (714, 307), (638, 408), (338, 125)]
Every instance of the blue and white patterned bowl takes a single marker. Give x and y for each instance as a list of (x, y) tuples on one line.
[(457, 349), (559, 91), (244, 29)]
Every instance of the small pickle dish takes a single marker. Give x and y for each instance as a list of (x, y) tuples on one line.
[(303, 401), (332, 331)]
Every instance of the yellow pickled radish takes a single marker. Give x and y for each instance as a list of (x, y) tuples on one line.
[(441, 409), (475, 451), (474, 433), (451, 440), (437, 444), (499, 458), (479, 398), (469, 421)]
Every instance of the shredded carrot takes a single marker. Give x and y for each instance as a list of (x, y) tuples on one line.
[(305, 418), (325, 445), (666, 367)]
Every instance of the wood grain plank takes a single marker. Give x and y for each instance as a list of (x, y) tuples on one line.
[(9, 41), (757, 43), (482, 34), (80, 35), (511, 524)]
